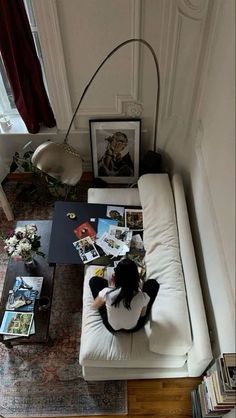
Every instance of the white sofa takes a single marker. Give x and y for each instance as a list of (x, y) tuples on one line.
[(175, 341)]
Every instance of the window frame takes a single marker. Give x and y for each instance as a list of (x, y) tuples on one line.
[(46, 18)]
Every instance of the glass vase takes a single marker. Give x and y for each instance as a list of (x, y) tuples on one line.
[(29, 260)]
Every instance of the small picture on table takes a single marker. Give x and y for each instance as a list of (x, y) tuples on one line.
[(134, 219), (86, 249), (85, 229), (115, 212)]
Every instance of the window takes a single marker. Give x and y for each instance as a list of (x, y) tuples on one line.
[(10, 120), (34, 30)]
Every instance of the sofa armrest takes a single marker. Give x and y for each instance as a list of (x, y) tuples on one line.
[(200, 354), (114, 196)]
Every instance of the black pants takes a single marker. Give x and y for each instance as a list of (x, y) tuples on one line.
[(150, 287)]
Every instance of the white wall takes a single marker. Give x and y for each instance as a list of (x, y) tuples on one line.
[(212, 174), (75, 37)]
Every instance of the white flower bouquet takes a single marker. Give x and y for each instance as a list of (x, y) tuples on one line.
[(23, 243)]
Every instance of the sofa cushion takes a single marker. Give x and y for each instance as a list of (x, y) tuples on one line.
[(168, 330), (101, 348)]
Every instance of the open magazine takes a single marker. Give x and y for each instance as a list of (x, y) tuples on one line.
[(110, 244), (86, 249), (18, 319), (17, 323), (12, 336), (23, 294), (122, 234)]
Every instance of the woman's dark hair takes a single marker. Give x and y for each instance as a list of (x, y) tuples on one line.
[(127, 279)]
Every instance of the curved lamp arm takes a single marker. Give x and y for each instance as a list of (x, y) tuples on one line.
[(60, 160), (128, 41)]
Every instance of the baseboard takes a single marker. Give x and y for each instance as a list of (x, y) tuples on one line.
[(28, 177)]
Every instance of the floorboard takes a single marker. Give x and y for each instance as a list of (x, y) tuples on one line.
[(158, 398)]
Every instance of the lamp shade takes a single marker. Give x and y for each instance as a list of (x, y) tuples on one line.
[(60, 161)]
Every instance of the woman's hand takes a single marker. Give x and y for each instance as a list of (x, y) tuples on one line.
[(97, 303)]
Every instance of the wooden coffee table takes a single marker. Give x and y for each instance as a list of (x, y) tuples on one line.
[(41, 268)]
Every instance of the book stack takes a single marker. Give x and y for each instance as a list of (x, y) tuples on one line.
[(216, 395), (18, 318)]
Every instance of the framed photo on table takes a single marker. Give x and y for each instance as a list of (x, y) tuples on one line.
[(115, 146)]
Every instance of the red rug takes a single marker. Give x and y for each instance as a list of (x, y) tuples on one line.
[(47, 381)]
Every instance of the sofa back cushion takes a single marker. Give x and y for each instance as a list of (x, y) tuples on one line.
[(169, 326)]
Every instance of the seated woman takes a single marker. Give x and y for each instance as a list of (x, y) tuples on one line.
[(124, 307)]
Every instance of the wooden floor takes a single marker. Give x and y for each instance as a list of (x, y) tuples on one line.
[(160, 398)]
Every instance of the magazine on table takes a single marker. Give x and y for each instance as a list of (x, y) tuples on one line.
[(86, 249), (116, 213), (23, 294), (85, 230), (110, 244), (17, 323), (34, 282), (11, 337), (103, 226), (123, 234)]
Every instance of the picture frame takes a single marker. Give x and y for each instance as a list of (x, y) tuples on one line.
[(115, 147), (134, 219)]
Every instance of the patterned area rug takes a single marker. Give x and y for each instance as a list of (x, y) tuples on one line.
[(47, 381)]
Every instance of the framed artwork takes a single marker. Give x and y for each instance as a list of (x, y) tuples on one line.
[(115, 146)]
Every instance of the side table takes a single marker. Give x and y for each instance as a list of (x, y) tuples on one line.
[(41, 268)]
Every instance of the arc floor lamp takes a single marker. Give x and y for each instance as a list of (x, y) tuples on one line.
[(63, 162)]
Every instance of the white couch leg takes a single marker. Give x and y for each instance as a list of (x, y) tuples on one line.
[(6, 205)]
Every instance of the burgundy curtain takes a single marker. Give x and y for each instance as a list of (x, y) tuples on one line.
[(23, 67)]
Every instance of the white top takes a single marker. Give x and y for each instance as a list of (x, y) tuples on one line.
[(120, 317)]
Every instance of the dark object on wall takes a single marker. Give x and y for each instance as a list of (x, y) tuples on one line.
[(99, 183), (151, 163)]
